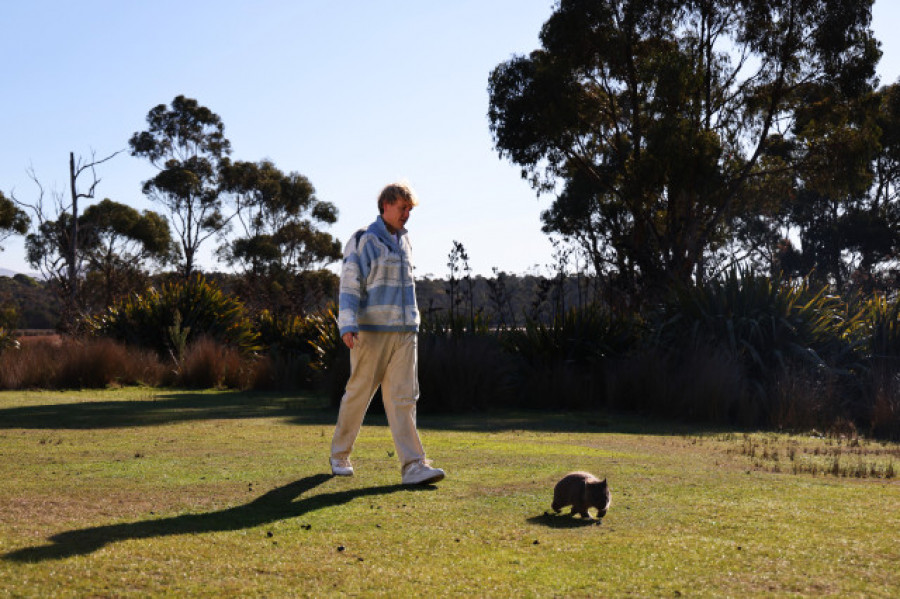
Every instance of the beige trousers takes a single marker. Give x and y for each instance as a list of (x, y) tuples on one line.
[(389, 360)]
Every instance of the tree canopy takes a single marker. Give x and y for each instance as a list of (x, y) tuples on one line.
[(187, 144), (278, 214), (13, 220), (118, 242), (848, 221), (115, 243), (669, 127)]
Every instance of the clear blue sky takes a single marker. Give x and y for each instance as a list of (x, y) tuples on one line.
[(352, 94)]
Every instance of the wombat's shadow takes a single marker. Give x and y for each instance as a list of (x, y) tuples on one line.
[(563, 520)]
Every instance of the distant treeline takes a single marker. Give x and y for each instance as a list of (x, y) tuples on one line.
[(506, 300)]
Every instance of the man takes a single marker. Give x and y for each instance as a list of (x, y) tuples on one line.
[(379, 322)]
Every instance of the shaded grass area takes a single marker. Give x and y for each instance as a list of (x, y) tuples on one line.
[(144, 406), (138, 492)]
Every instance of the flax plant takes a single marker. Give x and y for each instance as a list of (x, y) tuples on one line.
[(769, 324), (143, 320)]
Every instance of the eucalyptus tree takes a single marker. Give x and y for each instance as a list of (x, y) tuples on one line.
[(848, 219), (660, 123), (116, 243), (120, 244), (279, 216), (186, 143), (278, 242), (13, 220)]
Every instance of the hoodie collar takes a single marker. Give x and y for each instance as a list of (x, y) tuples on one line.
[(380, 229)]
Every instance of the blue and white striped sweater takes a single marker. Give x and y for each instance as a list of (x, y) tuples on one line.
[(378, 292)]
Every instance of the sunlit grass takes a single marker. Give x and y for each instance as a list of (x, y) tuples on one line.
[(138, 492)]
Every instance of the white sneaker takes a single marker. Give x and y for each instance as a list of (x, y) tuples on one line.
[(421, 472), (341, 467)]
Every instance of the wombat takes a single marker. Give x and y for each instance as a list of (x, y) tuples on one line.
[(582, 491)]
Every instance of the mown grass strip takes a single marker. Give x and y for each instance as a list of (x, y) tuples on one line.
[(178, 493)]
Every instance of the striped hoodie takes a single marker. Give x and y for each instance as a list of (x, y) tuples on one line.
[(377, 288)]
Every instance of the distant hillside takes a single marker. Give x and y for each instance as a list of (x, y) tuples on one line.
[(5, 272), (33, 304)]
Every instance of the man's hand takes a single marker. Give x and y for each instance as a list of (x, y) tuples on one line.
[(350, 339)]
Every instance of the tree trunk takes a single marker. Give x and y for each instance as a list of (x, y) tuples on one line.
[(72, 274)]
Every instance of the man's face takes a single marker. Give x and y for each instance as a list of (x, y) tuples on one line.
[(395, 215)]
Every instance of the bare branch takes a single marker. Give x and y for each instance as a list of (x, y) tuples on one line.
[(80, 168)]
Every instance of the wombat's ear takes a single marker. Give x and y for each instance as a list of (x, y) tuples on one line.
[(603, 481)]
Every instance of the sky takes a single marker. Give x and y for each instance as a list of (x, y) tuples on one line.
[(352, 94)]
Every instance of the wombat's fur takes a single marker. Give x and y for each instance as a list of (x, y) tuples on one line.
[(582, 491)]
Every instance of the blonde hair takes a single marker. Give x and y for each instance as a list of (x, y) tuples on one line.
[(396, 191)]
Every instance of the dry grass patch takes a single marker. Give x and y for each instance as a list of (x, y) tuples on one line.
[(810, 454)]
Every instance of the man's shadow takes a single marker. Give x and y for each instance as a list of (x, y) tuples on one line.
[(277, 504)]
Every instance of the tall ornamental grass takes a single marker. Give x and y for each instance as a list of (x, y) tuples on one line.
[(68, 363)]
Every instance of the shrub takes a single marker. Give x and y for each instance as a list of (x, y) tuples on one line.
[(98, 363), (286, 333), (332, 358), (769, 327), (29, 366), (461, 372), (279, 372), (7, 340), (435, 323), (178, 314), (578, 336), (880, 410), (292, 358)]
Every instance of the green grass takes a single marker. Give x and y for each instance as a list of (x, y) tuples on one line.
[(137, 492)]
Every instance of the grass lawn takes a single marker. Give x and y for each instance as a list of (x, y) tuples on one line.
[(137, 492)]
